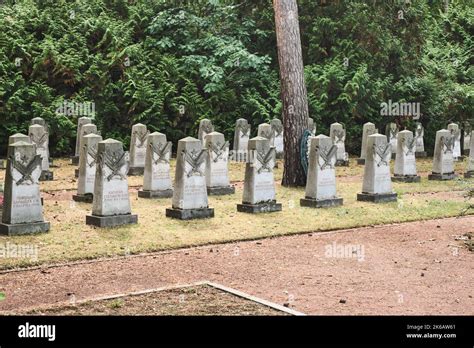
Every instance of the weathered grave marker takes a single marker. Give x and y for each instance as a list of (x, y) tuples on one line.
[(111, 203), (405, 161), (443, 161), (321, 180), (138, 149), (377, 186), (39, 136), (259, 186), (338, 136), (312, 126), (217, 165), (391, 131), (190, 192), (80, 122), (157, 180), (368, 129), (86, 129), (470, 160), (87, 168), (456, 134), (22, 209), (419, 140), (277, 128), (205, 127), (241, 140)]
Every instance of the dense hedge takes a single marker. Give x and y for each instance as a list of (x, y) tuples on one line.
[(169, 65)]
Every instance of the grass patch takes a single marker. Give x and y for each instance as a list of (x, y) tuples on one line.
[(71, 239)]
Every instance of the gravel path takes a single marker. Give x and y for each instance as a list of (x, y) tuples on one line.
[(409, 268)]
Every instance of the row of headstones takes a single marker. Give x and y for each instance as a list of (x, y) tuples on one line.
[(392, 130), (106, 165), (38, 134), (377, 182), (272, 131), (111, 203)]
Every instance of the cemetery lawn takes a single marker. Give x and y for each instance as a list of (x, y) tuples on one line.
[(70, 239), (185, 301)]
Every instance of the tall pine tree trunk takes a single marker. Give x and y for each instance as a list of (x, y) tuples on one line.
[(293, 88)]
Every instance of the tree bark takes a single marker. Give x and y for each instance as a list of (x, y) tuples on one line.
[(293, 89)]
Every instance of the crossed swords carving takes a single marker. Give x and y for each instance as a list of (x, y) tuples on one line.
[(92, 152), (326, 153), (265, 160), (115, 163), (195, 159), (409, 145), (339, 135), (393, 133), (448, 144), (26, 170), (39, 141), (245, 130), (455, 133), (141, 137), (265, 134), (384, 153), (218, 149), (419, 132), (160, 150), (278, 130), (206, 129)]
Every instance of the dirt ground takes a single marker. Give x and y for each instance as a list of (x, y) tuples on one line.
[(193, 300), (410, 268)]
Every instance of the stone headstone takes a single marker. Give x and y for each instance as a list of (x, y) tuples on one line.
[(86, 129), (111, 203), (277, 128), (338, 136), (87, 168), (321, 179), (15, 138), (190, 192), (40, 121), (39, 136), (470, 160), (138, 149), (22, 209), (443, 161), (456, 133), (419, 140), (265, 131), (259, 185), (80, 122), (157, 179), (368, 129), (405, 162), (391, 131), (241, 140), (467, 138), (217, 165), (312, 126), (377, 186), (205, 127)]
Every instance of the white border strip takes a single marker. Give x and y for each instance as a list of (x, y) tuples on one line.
[(256, 299), (164, 288)]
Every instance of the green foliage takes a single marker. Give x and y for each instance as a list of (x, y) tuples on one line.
[(169, 64), (148, 62)]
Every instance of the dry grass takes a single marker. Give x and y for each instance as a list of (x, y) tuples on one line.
[(71, 239), (194, 300)]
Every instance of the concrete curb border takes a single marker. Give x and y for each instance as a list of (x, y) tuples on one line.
[(164, 288)]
